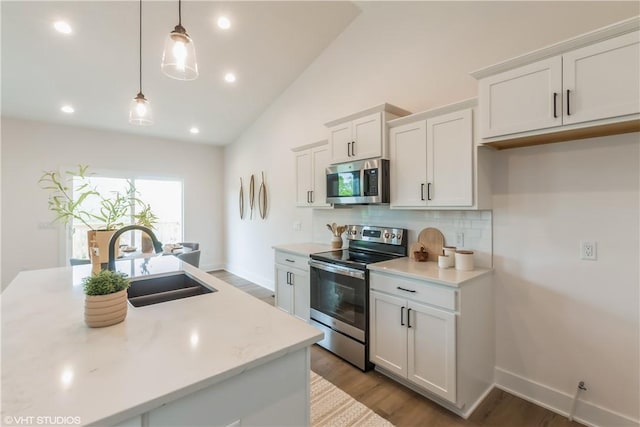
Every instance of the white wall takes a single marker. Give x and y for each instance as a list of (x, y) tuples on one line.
[(560, 319), (417, 55), (29, 148)]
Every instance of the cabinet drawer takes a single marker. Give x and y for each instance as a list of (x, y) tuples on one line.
[(291, 260), (414, 290)]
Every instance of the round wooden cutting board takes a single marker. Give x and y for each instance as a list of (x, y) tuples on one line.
[(433, 240)]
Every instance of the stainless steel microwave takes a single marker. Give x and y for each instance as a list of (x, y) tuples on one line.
[(358, 183)]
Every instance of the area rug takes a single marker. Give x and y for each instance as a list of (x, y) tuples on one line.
[(332, 407)]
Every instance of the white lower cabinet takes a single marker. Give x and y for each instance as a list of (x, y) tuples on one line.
[(292, 284), (421, 336), (414, 341)]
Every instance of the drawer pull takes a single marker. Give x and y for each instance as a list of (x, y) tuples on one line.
[(406, 290), (289, 260), (408, 318)]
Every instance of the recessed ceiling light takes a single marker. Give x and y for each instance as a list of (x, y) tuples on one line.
[(62, 27), (230, 77), (224, 23), (67, 109), (194, 130)]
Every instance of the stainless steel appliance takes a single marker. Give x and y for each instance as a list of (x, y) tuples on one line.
[(340, 289), (361, 182)]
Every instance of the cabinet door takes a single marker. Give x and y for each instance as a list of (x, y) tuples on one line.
[(450, 160), (367, 137), (408, 157), (521, 99), (320, 161), (388, 332), (284, 289), (301, 294), (602, 80), (303, 178), (432, 350), (340, 142)]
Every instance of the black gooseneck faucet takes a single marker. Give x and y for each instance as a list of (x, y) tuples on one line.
[(112, 243)]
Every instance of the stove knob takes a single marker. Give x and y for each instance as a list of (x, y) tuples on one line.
[(399, 236), (393, 236), (386, 235)]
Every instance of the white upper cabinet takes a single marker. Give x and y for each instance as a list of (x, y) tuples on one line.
[(357, 139), (408, 168), (361, 135), (434, 162), (587, 86), (602, 80), (310, 163), (522, 99), (450, 159)]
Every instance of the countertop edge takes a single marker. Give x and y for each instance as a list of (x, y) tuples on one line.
[(395, 271), (203, 384)]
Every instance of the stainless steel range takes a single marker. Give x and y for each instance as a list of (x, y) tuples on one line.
[(340, 289)]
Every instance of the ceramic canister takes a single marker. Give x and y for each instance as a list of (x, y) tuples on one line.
[(450, 251), (464, 260), (444, 261)]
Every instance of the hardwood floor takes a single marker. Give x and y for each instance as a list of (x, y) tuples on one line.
[(402, 406)]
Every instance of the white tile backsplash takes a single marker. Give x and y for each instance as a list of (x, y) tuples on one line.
[(476, 225)]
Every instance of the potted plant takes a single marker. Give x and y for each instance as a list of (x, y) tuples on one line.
[(148, 219), (105, 301), (67, 203)]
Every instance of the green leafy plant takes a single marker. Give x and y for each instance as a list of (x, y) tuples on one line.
[(67, 202), (105, 282), (145, 216)]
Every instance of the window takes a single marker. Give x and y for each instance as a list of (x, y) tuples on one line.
[(164, 197)]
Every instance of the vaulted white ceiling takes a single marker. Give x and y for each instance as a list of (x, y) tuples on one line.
[(95, 69)]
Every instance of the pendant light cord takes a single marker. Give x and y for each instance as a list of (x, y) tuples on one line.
[(140, 47), (180, 13)]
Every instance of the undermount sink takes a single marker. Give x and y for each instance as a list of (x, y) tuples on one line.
[(154, 290)]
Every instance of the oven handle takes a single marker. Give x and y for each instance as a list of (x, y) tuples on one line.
[(345, 271)]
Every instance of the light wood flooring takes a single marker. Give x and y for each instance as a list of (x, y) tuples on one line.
[(404, 407)]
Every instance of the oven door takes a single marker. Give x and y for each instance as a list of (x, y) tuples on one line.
[(339, 298)]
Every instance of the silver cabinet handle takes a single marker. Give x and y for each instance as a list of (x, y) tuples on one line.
[(353, 148), (402, 316), (568, 98), (289, 260), (422, 191), (406, 290), (348, 149), (408, 318)]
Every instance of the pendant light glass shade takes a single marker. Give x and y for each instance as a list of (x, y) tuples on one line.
[(140, 108), (140, 111), (179, 55)]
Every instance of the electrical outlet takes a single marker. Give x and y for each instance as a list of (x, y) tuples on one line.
[(297, 226), (588, 250), (459, 239)]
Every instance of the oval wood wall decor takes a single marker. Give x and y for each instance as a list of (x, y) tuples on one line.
[(252, 192), (262, 199), (241, 201)]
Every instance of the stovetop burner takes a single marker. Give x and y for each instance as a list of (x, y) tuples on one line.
[(367, 244), (351, 258)]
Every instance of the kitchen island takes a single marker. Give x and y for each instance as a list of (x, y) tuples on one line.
[(214, 359)]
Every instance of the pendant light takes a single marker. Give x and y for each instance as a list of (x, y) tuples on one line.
[(179, 56), (140, 110)]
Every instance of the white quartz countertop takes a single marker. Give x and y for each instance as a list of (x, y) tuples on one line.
[(54, 365), (304, 249), (427, 271)]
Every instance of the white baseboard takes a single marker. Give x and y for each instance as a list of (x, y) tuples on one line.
[(560, 402), (248, 275), (211, 267)]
